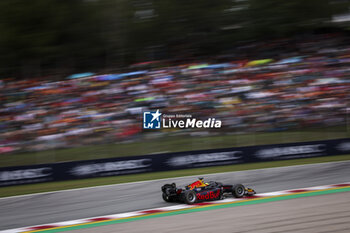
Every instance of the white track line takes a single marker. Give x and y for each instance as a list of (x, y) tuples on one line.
[(164, 209)]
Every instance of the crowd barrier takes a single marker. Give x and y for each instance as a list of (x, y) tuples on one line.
[(170, 161)]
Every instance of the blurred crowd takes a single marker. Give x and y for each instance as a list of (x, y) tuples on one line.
[(258, 87)]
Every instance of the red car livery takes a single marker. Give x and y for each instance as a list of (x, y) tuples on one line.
[(209, 195), (202, 191)]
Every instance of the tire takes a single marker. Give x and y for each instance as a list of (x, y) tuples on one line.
[(238, 190), (190, 197), (167, 198)]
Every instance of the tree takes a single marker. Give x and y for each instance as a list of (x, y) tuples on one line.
[(276, 18), (65, 36), (48, 34)]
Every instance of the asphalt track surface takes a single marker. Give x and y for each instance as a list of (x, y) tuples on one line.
[(105, 200), (323, 214)]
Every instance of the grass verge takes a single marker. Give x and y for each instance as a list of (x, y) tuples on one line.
[(169, 144), (63, 185)]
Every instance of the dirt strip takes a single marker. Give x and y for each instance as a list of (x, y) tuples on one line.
[(325, 213)]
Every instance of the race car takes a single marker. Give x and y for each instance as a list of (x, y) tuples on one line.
[(201, 191)]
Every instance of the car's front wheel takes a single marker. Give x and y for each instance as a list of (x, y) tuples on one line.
[(238, 190)]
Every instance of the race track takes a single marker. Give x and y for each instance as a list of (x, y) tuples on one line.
[(76, 204), (321, 214)]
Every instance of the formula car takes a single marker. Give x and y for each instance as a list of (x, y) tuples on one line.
[(201, 191)]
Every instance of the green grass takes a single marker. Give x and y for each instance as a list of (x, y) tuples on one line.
[(54, 186), (169, 144)]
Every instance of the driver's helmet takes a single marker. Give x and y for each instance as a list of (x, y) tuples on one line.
[(203, 183)]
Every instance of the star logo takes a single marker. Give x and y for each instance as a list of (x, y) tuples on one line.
[(151, 120), (156, 115)]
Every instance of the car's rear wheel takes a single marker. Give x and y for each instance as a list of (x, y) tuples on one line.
[(238, 190), (167, 198), (190, 197)]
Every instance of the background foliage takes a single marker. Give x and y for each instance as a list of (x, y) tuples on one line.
[(44, 37)]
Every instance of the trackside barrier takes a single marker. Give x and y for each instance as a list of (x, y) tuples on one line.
[(170, 161)]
